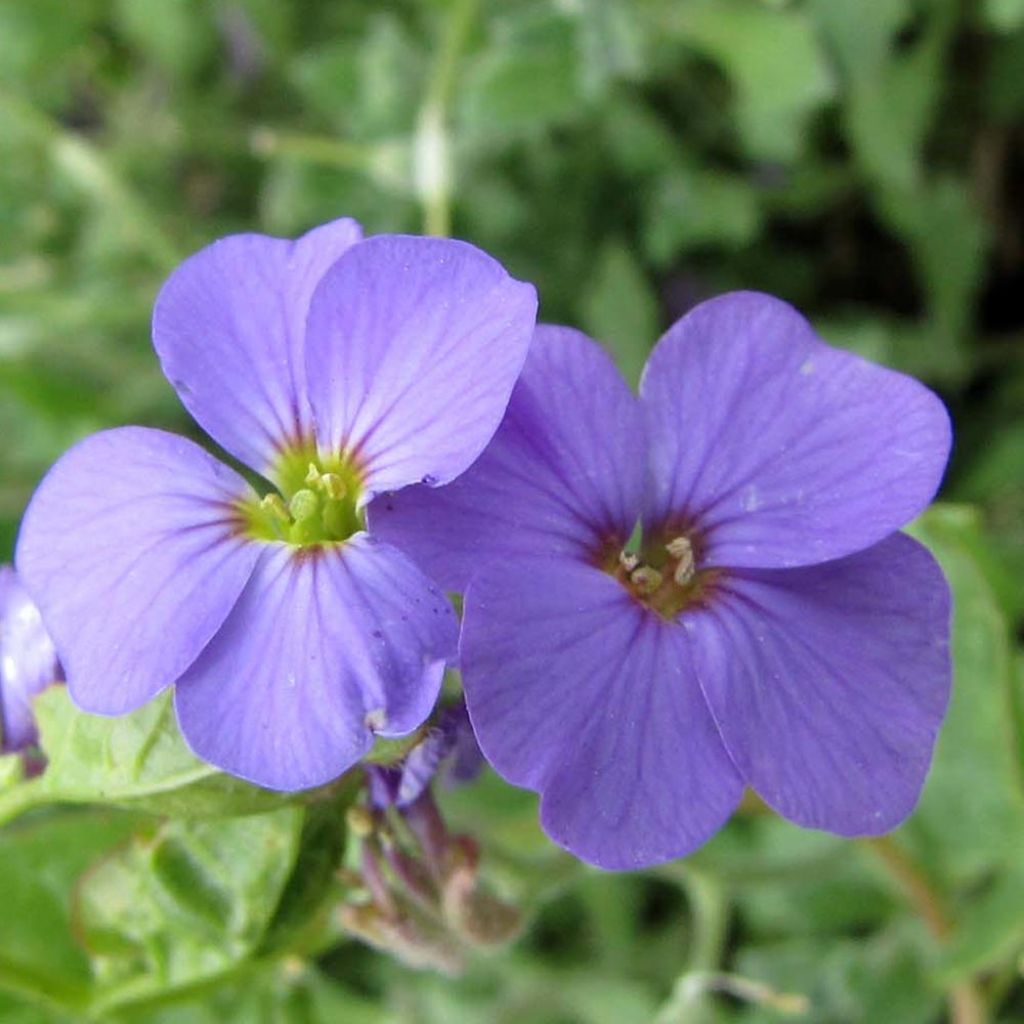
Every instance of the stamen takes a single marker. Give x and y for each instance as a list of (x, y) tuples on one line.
[(274, 505), (682, 549), (629, 561)]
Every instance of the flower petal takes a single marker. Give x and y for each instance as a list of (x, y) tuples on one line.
[(784, 450), (829, 682), (413, 346), (564, 474), (128, 550), (325, 648), (580, 693), (229, 327), (28, 661)]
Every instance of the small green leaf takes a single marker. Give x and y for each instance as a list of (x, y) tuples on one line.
[(619, 308), (971, 814), (138, 761), (40, 863), (184, 905)]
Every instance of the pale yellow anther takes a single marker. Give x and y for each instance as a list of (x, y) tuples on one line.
[(312, 475), (333, 486), (646, 580), (628, 560), (274, 505), (682, 549)]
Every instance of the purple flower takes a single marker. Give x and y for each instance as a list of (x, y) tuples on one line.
[(28, 662), (771, 628), (335, 368)]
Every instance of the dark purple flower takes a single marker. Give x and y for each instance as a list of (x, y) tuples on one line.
[(28, 662), (771, 628), (335, 368)]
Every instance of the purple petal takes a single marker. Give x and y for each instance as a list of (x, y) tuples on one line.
[(28, 661), (413, 347), (580, 693), (127, 547), (564, 474), (325, 648), (786, 451), (229, 327), (829, 682)]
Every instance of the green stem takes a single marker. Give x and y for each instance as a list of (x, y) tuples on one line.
[(966, 1003), (433, 170)]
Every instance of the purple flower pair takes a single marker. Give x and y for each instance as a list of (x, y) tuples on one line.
[(769, 628), (765, 626), (334, 368)]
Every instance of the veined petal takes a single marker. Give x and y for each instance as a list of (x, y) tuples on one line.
[(784, 450), (229, 328), (413, 347), (563, 476), (28, 661), (829, 682), (325, 648), (578, 692), (128, 549)]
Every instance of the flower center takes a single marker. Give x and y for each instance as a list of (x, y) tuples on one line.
[(317, 502), (664, 576)]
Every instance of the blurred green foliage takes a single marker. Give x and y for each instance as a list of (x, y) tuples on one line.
[(862, 160)]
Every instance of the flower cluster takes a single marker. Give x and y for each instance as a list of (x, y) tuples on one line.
[(668, 597)]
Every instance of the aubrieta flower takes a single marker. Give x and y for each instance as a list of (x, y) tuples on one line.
[(28, 662), (335, 368), (770, 629)]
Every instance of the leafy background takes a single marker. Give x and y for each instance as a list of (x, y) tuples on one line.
[(862, 160)]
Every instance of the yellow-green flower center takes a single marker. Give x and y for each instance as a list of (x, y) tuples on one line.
[(317, 501)]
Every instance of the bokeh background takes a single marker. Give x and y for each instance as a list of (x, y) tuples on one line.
[(864, 160)]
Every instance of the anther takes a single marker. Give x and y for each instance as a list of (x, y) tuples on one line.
[(682, 549), (333, 486), (274, 505), (629, 561)]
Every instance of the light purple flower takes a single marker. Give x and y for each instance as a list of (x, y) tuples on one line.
[(28, 662), (772, 629), (335, 368)]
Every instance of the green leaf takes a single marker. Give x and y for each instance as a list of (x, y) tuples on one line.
[(138, 761), (521, 88), (619, 308), (691, 207), (184, 905), (775, 62), (971, 815), (40, 864), (989, 931)]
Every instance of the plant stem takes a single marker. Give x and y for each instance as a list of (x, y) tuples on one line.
[(966, 1003), (433, 162)]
